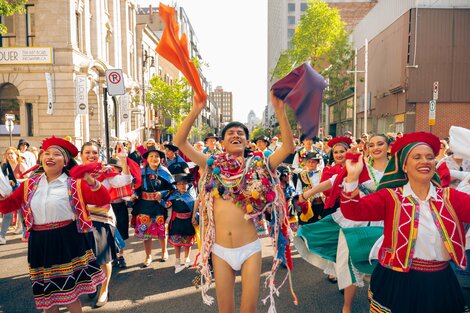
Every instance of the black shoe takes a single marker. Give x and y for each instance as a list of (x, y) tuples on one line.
[(115, 263), (121, 262), (332, 280), (99, 304)]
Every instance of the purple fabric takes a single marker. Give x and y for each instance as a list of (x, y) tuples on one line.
[(302, 90)]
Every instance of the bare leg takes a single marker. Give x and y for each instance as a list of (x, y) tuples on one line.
[(251, 273), (148, 247), (177, 252), (75, 307), (187, 251), (225, 284), (349, 293), (107, 269), (162, 245)]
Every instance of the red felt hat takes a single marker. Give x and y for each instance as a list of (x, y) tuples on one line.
[(334, 141), (55, 141), (428, 138)]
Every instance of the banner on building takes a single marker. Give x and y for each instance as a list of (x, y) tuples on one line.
[(125, 112), (50, 94), (81, 94)]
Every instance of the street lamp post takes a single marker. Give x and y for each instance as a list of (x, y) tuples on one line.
[(145, 57), (366, 98)]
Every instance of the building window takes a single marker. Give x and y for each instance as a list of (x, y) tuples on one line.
[(130, 13), (9, 105), (291, 7), (8, 39), (303, 6), (30, 25), (291, 20), (78, 21), (290, 33)]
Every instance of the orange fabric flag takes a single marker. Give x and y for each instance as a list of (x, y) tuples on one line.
[(175, 50)]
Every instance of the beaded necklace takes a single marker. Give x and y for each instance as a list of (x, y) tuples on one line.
[(248, 184)]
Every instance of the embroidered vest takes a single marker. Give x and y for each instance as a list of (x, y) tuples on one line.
[(84, 223), (399, 255)]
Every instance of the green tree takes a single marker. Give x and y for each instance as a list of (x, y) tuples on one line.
[(316, 35), (257, 132), (200, 131), (171, 101), (321, 40), (10, 7), (340, 59)]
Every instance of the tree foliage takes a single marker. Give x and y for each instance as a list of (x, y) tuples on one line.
[(171, 101), (10, 7), (319, 31), (340, 59), (257, 132), (321, 40), (200, 131)]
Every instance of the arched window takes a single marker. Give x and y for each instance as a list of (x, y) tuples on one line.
[(9, 105)]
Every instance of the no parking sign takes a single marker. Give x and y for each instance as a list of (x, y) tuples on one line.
[(115, 82)]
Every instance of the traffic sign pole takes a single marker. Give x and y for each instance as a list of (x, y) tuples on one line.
[(9, 124), (106, 123)]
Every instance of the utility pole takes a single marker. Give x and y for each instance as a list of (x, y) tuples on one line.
[(355, 71), (366, 95)]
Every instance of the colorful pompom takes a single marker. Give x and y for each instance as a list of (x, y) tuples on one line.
[(270, 197), (210, 161)]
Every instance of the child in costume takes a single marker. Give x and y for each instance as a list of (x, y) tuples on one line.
[(181, 232), (289, 191), (307, 179), (235, 193)]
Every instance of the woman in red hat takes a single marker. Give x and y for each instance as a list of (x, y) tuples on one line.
[(62, 265), (423, 230)]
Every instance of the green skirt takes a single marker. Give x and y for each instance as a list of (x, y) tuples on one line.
[(348, 248)]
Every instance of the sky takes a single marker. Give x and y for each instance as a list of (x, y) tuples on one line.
[(232, 37)]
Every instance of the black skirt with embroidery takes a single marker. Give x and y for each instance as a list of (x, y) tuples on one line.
[(415, 291)]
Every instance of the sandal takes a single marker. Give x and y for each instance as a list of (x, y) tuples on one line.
[(164, 257), (147, 261)]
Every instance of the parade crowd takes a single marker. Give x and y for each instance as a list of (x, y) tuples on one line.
[(387, 206)]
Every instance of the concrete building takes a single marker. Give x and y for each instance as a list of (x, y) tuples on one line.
[(224, 101), (210, 116), (252, 121), (52, 69), (411, 45), (283, 18)]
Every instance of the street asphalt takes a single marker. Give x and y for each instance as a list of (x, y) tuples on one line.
[(158, 289)]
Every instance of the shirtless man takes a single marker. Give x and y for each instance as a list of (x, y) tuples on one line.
[(236, 245)]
